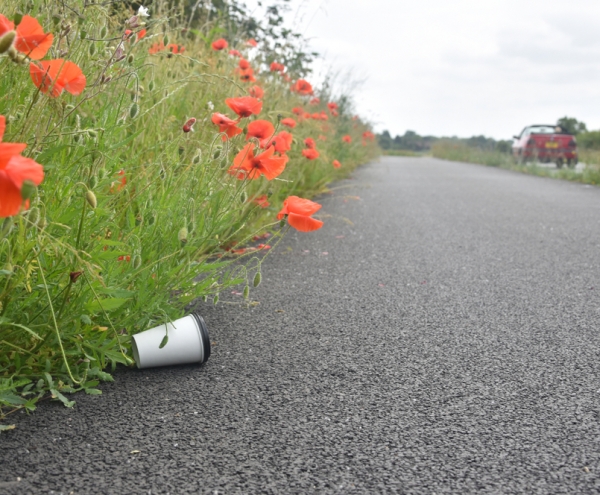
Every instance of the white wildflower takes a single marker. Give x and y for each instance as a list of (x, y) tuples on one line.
[(210, 106), (143, 11)]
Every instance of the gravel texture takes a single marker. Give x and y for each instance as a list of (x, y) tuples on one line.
[(438, 335)]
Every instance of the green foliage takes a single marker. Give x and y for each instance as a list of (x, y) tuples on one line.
[(135, 219), (571, 125)]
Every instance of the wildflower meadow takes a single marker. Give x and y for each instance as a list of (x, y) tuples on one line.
[(149, 156)]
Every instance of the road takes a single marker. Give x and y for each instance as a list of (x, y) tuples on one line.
[(439, 335)]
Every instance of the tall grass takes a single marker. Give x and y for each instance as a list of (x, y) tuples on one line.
[(462, 153), (77, 279)]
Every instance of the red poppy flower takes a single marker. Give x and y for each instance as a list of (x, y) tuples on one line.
[(128, 34), (336, 164), (299, 212), (235, 53), (252, 42), (368, 135), (118, 185), (276, 67), (244, 106), (243, 64), (310, 153), (262, 201), (226, 125), (332, 105), (6, 25), (347, 139), (141, 33), (124, 258), (262, 130), (288, 122), (334, 113), (256, 92), (316, 116), (306, 115), (247, 75), (188, 126), (324, 116), (246, 165), (310, 143), (298, 110), (286, 77), (156, 47), (14, 171), (219, 44), (302, 87), (31, 39), (315, 101), (57, 75), (282, 142), (173, 48)]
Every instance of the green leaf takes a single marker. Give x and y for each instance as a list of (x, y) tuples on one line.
[(107, 305), (12, 399), (7, 427), (85, 319), (93, 391), (57, 395)]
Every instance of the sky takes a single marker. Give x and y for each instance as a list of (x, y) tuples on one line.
[(459, 67)]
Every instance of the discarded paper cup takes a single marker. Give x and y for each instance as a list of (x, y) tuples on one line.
[(188, 342)]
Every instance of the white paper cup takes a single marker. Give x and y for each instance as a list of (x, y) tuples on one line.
[(188, 343)]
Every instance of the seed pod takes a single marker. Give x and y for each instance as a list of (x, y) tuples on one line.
[(182, 235), (6, 41), (246, 292), (90, 197), (133, 111), (130, 59), (17, 19), (216, 299), (257, 279), (34, 215), (27, 190), (137, 261)]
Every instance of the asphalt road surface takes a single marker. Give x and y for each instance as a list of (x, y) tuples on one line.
[(439, 335)]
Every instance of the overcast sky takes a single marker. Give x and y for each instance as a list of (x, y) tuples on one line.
[(461, 67)]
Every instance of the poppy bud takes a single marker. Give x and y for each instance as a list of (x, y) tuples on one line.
[(92, 133), (27, 190), (151, 85), (189, 125), (257, 279), (151, 219), (6, 41), (133, 110), (197, 158), (93, 181), (216, 299), (34, 215), (56, 19), (18, 18), (165, 40), (246, 292), (74, 276), (282, 223), (204, 298), (243, 197), (181, 150), (90, 197), (137, 261), (130, 59), (92, 49), (82, 34), (182, 235)]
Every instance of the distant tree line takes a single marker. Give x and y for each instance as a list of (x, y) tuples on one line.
[(411, 141)]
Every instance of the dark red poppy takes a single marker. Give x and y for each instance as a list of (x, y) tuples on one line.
[(288, 122), (276, 67), (302, 87), (310, 153), (188, 126), (299, 213), (57, 75), (310, 143), (219, 44), (247, 166), (226, 125), (262, 130), (244, 106)]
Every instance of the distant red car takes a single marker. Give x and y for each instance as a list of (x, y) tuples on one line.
[(545, 143)]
